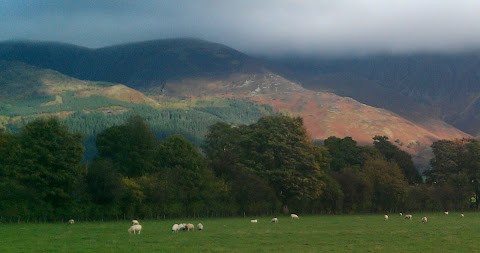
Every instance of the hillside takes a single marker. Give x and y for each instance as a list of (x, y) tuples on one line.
[(417, 86), (325, 114), (211, 82)]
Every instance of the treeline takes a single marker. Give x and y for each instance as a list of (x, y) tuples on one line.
[(267, 167)]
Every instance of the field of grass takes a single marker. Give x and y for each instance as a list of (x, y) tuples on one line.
[(342, 233)]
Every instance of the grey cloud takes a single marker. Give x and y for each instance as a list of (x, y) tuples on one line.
[(272, 26)]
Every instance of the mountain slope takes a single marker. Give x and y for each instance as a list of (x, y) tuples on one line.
[(324, 114), (417, 86), (190, 71)]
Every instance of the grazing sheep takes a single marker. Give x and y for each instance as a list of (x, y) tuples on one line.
[(385, 217), (275, 220), (71, 221), (445, 213), (135, 228), (294, 216), (182, 226), (200, 226), (424, 219), (175, 228), (401, 214), (408, 216), (254, 221), (135, 222), (189, 227), (461, 215)]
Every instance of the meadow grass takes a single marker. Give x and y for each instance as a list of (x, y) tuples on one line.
[(322, 233)]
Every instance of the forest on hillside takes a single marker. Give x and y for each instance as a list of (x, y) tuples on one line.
[(267, 167)]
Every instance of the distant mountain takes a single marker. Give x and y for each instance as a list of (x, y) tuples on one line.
[(417, 86), (140, 65), (184, 81)]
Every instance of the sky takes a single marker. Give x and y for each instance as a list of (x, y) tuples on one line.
[(272, 27)]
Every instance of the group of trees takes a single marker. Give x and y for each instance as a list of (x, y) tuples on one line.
[(270, 166)]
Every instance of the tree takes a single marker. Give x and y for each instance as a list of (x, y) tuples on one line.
[(402, 158), (344, 153), (277, 149), (50, 162), (131, 147), (191, 184), (104, 183), (389, 185)]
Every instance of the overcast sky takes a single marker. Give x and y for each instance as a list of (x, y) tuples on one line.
[(252, 26)]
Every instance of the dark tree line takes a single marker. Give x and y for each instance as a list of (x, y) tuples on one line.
[(267, 167)]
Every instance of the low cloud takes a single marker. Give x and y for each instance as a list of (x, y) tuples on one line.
[(267, 26)]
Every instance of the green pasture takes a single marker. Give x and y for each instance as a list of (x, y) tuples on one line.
[(324, 233)]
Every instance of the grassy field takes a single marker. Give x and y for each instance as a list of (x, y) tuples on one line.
[(342, 233)]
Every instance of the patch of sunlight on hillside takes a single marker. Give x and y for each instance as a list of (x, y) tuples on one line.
[(58, 101)]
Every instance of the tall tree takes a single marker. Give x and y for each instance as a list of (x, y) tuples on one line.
[(191, 183), (51, 161), (277, 149), (131, 147), (344, 152), (389, 184)]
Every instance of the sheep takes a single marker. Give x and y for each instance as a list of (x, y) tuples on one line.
[(254, 221), (294, 216), (462, 216), (445, 213), (175, 228), (182, 226), (135, 228), (135, 222), (401, 214), (71, 221), (189, 227), (200, 226), (385, 217), (408, 216), (424, 219), (274, 220)]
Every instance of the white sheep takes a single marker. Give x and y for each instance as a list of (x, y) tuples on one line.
[(408, 216), (254, 221), (462, 216), (385, 217), (135, 222), (274, 220), (200, 226), (424, 219), (189, 227), (175, 228), (182, 226), (294, 216), (401, 214), (135, 228), (445, 213), (71, 221)]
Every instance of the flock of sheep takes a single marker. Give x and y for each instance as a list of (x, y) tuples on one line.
[(424, 218), (186, 227), (275, 219), (136, 228)]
